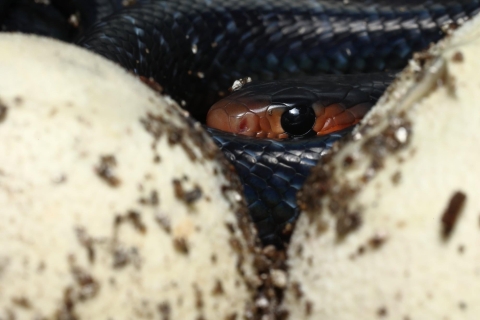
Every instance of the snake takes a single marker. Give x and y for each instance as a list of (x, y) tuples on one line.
[(306, 59)]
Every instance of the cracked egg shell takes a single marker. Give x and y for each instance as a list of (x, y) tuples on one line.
[(113, 205), (390, 223)]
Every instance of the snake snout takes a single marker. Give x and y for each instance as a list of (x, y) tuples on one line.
[(247, 115)]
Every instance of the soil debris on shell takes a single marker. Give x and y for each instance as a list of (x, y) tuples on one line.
[(151, 83), (165, 310), (3, 112), (22, 302), (164, 222), (457, 57), (181, 245), (187, 196), (105, 170), (134, 218), (153, 200), (452, 213), (87, 242), (347, 223), (377, 240)]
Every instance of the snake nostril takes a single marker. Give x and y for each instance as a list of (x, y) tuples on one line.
[(298, 121)]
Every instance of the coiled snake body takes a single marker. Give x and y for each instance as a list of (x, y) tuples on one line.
[(195, 49)]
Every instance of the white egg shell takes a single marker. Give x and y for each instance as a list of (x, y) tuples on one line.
[(390, 228), (112, 204)]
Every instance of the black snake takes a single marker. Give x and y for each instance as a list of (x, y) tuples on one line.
[(195, 49)]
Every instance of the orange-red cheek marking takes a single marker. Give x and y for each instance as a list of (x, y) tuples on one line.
[(336, 117)]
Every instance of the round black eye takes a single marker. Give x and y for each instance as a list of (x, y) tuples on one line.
[(298, 121)]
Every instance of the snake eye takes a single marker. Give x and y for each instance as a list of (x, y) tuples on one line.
[(298, 121)]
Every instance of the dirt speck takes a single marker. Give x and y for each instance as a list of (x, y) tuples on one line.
[(3, 111), (67, 309), (105, 170), (308, 308), (382, 312), (22, 302), (457, 57), (181, 245), (348, 161), (396, 177), (164, 222), (347, 223), (377, 240), (152, 200), (134, 218), (87, 286), (124, 256), (151, 83), (187, 196), (297, 290), (199, 304), (165, 310), (87, 242), (452, 212), (218, 288), (18, 100)]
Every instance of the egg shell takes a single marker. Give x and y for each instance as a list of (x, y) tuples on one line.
[(112, 204), (390, 222)]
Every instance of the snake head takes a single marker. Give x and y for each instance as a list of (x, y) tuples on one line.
[(290, 109)]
